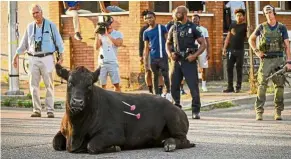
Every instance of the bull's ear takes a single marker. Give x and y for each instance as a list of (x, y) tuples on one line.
[(96, 74), (62, 72)]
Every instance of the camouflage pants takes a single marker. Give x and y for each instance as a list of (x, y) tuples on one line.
[(267, 66)]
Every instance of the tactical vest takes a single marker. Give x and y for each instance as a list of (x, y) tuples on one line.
[(183, 37), (271, 41)]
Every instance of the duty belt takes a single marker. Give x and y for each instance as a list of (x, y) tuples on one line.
[(41, 55), (273, 55)]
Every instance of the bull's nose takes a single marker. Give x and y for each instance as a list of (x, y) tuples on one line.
[(77, 102)]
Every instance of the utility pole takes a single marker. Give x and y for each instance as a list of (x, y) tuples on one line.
[(253, 87), (12, 46)]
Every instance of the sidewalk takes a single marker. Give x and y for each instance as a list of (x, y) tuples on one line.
[(213, 96)]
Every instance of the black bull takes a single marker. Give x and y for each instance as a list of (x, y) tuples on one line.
[(96, 120)]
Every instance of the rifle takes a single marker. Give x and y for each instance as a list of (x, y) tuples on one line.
[(282, 70)]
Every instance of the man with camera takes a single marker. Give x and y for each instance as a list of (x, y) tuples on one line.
[(183, 34), (41, 39), (107, 41)]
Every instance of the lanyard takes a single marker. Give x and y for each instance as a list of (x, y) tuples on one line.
[(41, 30)]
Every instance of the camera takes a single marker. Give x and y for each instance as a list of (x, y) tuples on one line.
[(103, 23), (37, 45)]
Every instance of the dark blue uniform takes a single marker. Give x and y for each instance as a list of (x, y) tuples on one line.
[(183, 36)]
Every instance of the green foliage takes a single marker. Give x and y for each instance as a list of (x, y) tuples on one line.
[(29, 96), (218, 106), (224, 105), (27, 104), (6, 102), (20, 103), (6, 78)]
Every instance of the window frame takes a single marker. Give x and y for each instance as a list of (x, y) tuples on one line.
[(204, 6)]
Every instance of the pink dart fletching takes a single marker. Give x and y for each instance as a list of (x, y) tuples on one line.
[(132, 108)]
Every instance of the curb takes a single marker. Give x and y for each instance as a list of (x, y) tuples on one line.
[(244, 101)]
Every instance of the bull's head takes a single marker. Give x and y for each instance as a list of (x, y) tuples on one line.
[(80, 86)]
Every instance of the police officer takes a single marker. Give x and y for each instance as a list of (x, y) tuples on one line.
[(273, 42), (183, 34)]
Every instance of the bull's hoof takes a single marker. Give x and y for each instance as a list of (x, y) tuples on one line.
[(192, 145), (170, 147), (117, 149), (59, 142)]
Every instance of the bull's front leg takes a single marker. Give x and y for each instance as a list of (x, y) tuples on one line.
[(106, 143), (59, 142)]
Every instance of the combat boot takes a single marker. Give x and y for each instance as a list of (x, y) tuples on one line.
[(259, 116), (278, 115)]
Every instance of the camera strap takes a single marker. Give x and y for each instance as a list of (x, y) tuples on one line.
[(41, 29), (54, 41)]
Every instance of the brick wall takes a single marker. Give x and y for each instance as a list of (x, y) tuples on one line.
[(285, 19), (215, 68), (82, 52)]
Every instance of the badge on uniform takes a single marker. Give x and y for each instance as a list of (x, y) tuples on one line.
[(190, 31)]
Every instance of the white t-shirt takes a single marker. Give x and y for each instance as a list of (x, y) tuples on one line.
[(108, 50), (204, 32), (233, 5)]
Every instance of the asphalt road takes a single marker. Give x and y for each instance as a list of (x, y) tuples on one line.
[(226, 133)]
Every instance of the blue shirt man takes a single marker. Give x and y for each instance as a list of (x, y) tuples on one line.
[(157, 43), (154, 44)]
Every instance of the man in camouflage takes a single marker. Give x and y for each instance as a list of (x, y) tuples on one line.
[(273, 42)]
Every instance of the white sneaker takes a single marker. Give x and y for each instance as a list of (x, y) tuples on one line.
[(169, 97), (163, 95), (204, 89)]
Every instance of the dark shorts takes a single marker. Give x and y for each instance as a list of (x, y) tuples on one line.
[(160, 64)]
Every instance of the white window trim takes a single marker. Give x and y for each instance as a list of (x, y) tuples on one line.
[(171, 7), (190, 14), (96, 14), (278, 13), (281, 6)]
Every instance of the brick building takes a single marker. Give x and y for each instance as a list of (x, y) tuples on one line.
[(129, 23)]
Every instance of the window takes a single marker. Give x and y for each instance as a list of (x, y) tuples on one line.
[(196, 6), (286, 5), (276, 4), (92, 6), (162, 6), (123, 5), (279, 5)]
